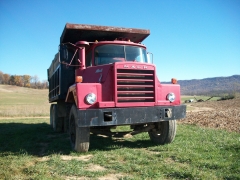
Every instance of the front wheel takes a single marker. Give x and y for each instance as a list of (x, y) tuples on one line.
[(79, 136), (164, 133)]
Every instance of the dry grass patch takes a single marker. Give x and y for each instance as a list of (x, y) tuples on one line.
[(75, 178), (78, 158), (192, 108), (94, 168), (43, 159), (112, 177)]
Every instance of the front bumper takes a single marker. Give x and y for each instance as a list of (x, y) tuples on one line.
[(128, 116)]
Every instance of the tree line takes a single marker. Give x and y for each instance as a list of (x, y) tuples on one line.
[(23, 81)]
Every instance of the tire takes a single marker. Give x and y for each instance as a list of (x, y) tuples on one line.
[(51, 115), (57, 122), (165, 133), (79, 136), (66, 119)]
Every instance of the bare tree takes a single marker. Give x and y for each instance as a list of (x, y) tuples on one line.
[(34, 80), (44, 84), (1, 77)]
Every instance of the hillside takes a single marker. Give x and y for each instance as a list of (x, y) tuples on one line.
[(18, 101), (210, 86)]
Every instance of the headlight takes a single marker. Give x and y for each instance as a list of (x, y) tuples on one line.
[(91, 98), (171, 97)]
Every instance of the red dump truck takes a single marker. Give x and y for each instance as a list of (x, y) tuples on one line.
[(103, 77)]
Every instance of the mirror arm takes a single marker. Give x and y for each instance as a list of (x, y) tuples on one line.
[(63, 62), (73, 57)]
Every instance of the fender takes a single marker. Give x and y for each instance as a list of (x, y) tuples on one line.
[(72, 95), (77, 93)]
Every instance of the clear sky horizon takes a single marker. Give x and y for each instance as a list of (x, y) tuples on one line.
[(189, 39)]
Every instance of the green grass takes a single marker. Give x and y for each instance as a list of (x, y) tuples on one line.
[(183, 98), (29, 149), (196, 153)]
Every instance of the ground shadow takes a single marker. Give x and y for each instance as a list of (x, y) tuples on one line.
[(34, 139), (102, 143), (40, 140)]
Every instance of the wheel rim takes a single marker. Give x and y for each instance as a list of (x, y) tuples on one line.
[(158, 132)]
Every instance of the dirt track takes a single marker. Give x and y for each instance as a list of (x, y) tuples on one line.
[(25, 117), (215, 114)]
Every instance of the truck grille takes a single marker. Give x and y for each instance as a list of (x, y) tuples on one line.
[(135, 85)]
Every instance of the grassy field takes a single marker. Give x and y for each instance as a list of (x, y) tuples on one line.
[(183, 98), (31, 150), (23, 102)]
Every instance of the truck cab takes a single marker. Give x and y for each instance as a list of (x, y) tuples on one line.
[(103, 77)]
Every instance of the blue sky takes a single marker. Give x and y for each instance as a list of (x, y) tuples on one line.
[(190, 39)]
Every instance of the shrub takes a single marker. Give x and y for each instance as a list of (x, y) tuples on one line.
[(226, 97)]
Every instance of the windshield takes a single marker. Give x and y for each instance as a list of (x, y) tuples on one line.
[(107, 54)]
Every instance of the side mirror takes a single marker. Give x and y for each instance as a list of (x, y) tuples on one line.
[(150, 57), (63, 53)]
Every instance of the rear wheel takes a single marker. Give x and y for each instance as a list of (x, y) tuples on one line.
[(51, 115), (164, 133), (79, 136), (66, 118), (57, 122)]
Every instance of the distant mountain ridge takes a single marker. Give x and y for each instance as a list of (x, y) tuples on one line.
[(210, 86)]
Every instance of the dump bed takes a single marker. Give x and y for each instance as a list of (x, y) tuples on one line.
[(60, 77), (82, 32)]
